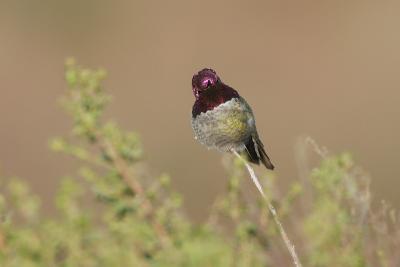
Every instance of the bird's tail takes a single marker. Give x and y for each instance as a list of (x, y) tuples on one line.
[(256, 152)]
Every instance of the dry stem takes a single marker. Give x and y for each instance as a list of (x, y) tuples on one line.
[(271, 208)]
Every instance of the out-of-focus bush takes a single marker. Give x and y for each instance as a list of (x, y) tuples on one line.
[(139, 220)]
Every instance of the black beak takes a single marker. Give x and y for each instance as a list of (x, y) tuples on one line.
[(208, 83)]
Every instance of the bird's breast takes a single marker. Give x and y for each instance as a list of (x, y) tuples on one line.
[(224, 127)]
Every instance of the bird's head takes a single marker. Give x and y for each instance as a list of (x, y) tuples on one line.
[(203, 81)]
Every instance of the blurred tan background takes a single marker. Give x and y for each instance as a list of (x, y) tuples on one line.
[(328, 69)]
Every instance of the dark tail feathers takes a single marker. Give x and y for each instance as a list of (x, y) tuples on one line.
[(255, 152)]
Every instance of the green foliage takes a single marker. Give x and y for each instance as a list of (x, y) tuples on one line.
[(137, 219), (331, 225)]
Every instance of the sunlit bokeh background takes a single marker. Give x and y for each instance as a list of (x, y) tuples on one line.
[(328, 69)]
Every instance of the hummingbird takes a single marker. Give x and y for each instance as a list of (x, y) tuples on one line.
[(223, 120)]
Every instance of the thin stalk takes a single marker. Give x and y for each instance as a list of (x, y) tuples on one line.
[(271, 208)]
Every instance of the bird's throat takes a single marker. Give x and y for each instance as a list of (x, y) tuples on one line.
[(212, 98)]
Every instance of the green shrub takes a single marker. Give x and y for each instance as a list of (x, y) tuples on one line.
[(138, 220)]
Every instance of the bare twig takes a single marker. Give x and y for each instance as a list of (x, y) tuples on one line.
[(271, 208)]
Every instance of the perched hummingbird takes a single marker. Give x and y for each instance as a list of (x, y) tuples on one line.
[(222, 119)]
